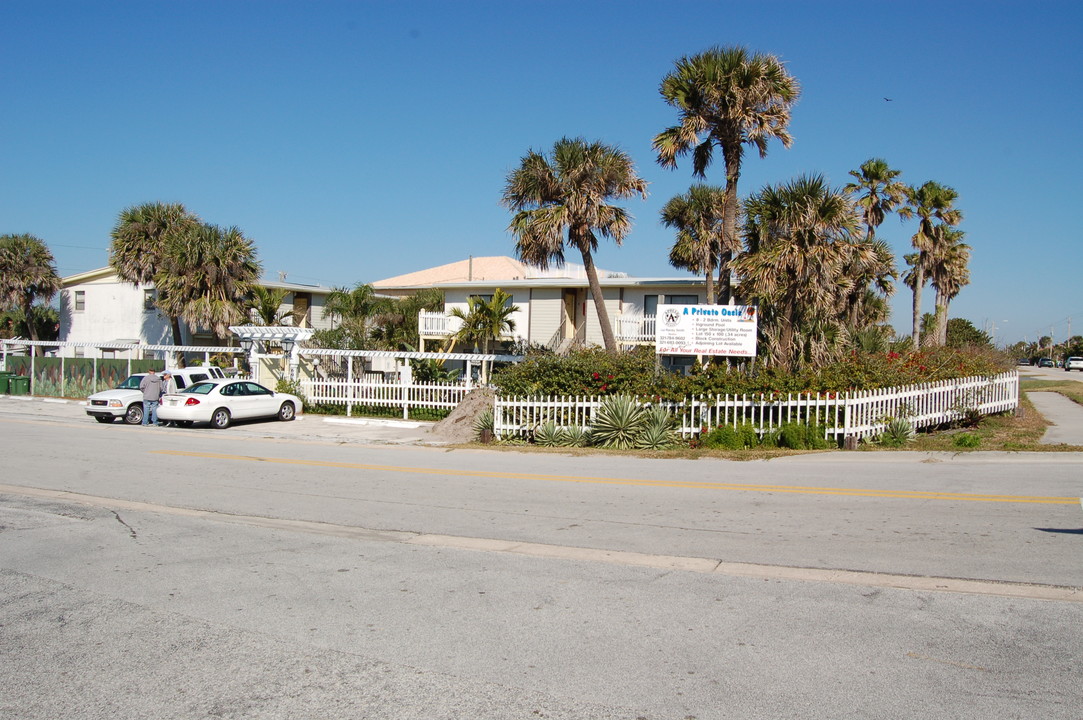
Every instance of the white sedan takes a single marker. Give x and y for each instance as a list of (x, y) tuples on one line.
[(221, 401)]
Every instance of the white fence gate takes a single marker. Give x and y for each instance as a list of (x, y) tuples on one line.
[(851, 414)]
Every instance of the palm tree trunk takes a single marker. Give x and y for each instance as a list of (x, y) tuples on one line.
[(941, 315), (919, 281), (608, 338), (31, 330), (732, 159), (711, 299)]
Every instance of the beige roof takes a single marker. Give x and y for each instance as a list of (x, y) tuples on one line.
[(480, 268)]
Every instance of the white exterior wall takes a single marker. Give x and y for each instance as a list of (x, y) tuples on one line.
[(113, 311), (612, 307), (633, 296), (546, 311)]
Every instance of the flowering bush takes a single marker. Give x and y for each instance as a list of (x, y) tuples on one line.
[(595, 372)]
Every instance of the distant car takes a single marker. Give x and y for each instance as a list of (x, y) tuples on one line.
[(1024, 361), (221, 401), (1046, 362), (1073, 363), (126, 400)]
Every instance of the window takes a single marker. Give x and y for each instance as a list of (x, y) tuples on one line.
[(149, 296), (80, 300), (489, 298), (682, 299), (650, 304)]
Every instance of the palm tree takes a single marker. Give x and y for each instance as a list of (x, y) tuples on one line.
[(800, 243), (396, 326), (355, 309), (485, 321), (882, 192), (932, 203), (948, 274), (697, 216), (567, 194), (204, 278), (264, 306), (139, 239), (27, 274), (726, 97)]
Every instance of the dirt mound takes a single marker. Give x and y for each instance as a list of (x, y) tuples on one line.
[(458, 427)]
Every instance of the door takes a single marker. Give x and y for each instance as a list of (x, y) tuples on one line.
[(567, 323)]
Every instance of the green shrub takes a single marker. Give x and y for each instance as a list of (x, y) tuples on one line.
[(799, 436), (293, 387), (967, 440), (593, 371), (726, 437)]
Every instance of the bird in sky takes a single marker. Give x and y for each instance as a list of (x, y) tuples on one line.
[(888, 99)]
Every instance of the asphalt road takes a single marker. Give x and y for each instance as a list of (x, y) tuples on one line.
[(264, 572)]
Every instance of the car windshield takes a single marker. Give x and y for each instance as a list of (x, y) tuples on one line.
[(202, 388), (131, 383)]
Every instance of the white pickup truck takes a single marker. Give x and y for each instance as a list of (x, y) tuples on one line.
[(126, 400)]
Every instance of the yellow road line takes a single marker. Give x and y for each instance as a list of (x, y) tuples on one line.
[(795, 489)]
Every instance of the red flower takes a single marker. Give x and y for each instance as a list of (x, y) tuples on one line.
[(596, 376), (609, 377), (604, 388)]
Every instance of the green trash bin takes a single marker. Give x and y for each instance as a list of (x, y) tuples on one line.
[(19, 385), (4, 378)]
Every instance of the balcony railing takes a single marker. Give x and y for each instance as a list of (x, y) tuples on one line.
[(437, 324), (636, 329), (630, 329)]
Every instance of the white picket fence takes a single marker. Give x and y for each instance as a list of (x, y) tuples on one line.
[(850, 414), (379, 393)]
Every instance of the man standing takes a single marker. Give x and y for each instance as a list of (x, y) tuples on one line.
[(169, 386), (151, 385)]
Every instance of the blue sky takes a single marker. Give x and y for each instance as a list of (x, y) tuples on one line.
[(355, 141)]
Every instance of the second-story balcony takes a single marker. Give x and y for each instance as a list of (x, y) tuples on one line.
[(630, 329)]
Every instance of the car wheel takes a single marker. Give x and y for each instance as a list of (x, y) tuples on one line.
[(286, 412), (104, 418), (134, 416), (220, 419)]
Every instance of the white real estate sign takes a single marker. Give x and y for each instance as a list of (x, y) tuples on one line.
[(706, 330)]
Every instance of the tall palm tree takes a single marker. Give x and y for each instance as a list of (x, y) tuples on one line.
[(204, 277), (948, 274), (726, 97), (27, 274), (880, 192), (567, 193), (485, 321), (800, 243), (139, 239), (697, 216), (933, 205)]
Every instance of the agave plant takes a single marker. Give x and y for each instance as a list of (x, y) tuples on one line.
[(484, 422), (618, 422), (548, 434), (898, 432), (575, 436), (658, 431)]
